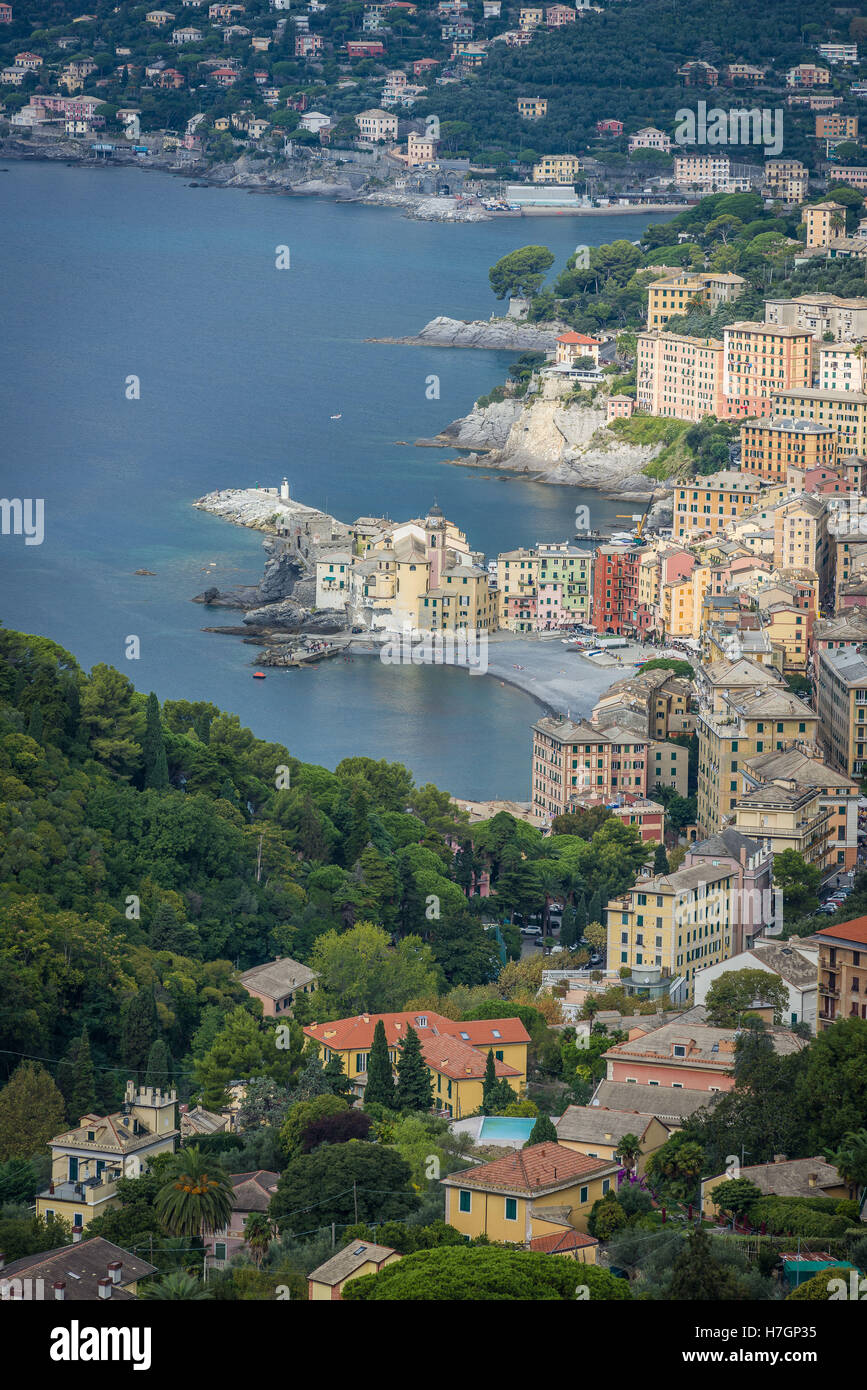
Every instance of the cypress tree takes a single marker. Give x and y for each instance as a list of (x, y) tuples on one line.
[(156, 767), (543, 1131), (594, 907), (159, 1066), (380, 1082), (82, 1100), (490, 1082), (139, 1029), (34, 728), (414, 1086), (660, 860), (581, 918), (339, 1083)]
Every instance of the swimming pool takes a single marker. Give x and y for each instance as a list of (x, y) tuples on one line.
[(500, 1129)]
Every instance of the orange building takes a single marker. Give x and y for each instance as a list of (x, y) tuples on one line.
[(760, 358), (771, 446), (842, 972)]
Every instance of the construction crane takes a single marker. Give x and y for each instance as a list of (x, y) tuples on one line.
[(639, 530)]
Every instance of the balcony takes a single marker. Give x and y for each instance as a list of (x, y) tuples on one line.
[(90, 1191)]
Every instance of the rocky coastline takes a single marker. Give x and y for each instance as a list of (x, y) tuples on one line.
[(498, 335)]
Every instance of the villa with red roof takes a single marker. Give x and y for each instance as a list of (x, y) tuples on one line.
[(571, 346), (456, 1053), (541, 1194)]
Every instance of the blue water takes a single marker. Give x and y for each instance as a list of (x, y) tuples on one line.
[(496, 1128), (110, 273)]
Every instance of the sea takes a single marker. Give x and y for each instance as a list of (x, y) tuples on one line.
[(160, 341)]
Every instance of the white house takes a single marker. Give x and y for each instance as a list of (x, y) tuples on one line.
[(795, 961)]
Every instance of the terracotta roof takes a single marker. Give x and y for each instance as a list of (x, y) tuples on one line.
[(545, 1167), (343, 1033), (856, 930), (560, 1241), (578, 338), (455, 1058), (253, 1191)]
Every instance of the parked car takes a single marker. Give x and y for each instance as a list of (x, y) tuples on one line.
[(531, 931)]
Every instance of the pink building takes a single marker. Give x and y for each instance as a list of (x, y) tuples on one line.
[(251, 1192), (306, 45), (619, 408), (558, 15), (276, 983), (5, 14), (609, 127)]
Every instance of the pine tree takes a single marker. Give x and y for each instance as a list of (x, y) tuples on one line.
[(660, 860), (411, 904), (543, 1132), (380, 1082), (34, 728), (414, 1086), (156, 767), (82, 1100), (166, 933), (159, 1066), (697, 1276), (594, 907), (32, 1111), (228, 793), (339, 1083)]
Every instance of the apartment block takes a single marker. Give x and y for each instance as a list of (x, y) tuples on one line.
[(824, 221), (771, 446), (708, 504), (679, 376), (833, 125), (677, 923), (793, 800), (841, 367), (518, 589), (842, 972), (759, 359), (678, 294), (573, 759), (844, 411), (841, 703), (557, 168), (616, 608)]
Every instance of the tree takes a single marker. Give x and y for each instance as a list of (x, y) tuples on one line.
[(343, 1183), (81, 1099), (735, 1195), (414, 1084), (497, 1094), (459, 1273), (303, 1113), (596, 936), (197, 1197), (178, 1285), (737, 991), (258, 1234), (160, 1067), (628, 1150), (660, 860), (520, 273), (606, 1217), (156, 768), (542, 1132), (335, 1077), (265, 1103), (338, 1128), (360, 970), (32, 1111), (697, 1277), (850, 1160), (140, 1026), (799, 882), (380, 1080)]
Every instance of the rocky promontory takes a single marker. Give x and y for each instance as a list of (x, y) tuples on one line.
[(507, 335)]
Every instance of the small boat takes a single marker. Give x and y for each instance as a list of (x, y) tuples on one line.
[(336, 417), (258, 675)]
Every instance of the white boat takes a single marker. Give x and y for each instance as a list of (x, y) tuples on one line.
[(336, 417)]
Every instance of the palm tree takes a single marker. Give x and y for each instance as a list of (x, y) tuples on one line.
[(176, 1286), (850, 1160), (258, 1233), (197, 1198), (628, 1151)]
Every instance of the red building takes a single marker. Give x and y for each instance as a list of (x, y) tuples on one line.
[(307, 45), (365, 48), (609, 127), (424, 65), (615, 592)]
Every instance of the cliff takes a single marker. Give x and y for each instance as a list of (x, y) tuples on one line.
[(508, 335)]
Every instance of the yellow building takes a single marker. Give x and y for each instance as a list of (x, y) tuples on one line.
[(532, 108), (794, 801), (844, 411), (557, 168), (326, 1284), (518, 589), (801, 539), (455, 1053), (710, 503), (674, 295), (770, 447), (842, 972), (541, 1191), (824, 222), (87, 1161), (674, 924), (680, 603), (376, 124), (742, 724), (598, 1133), (464, 600)]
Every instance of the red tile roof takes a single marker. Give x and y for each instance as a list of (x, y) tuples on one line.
[(457, 1059), (577, 338), (856, 930), (542, 1168), (561, 1241), (343, 1033)]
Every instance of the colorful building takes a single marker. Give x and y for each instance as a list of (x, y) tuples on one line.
[(545, 1190)]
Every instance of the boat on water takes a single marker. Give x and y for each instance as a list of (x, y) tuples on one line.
[(337, 417), (258, 675)]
